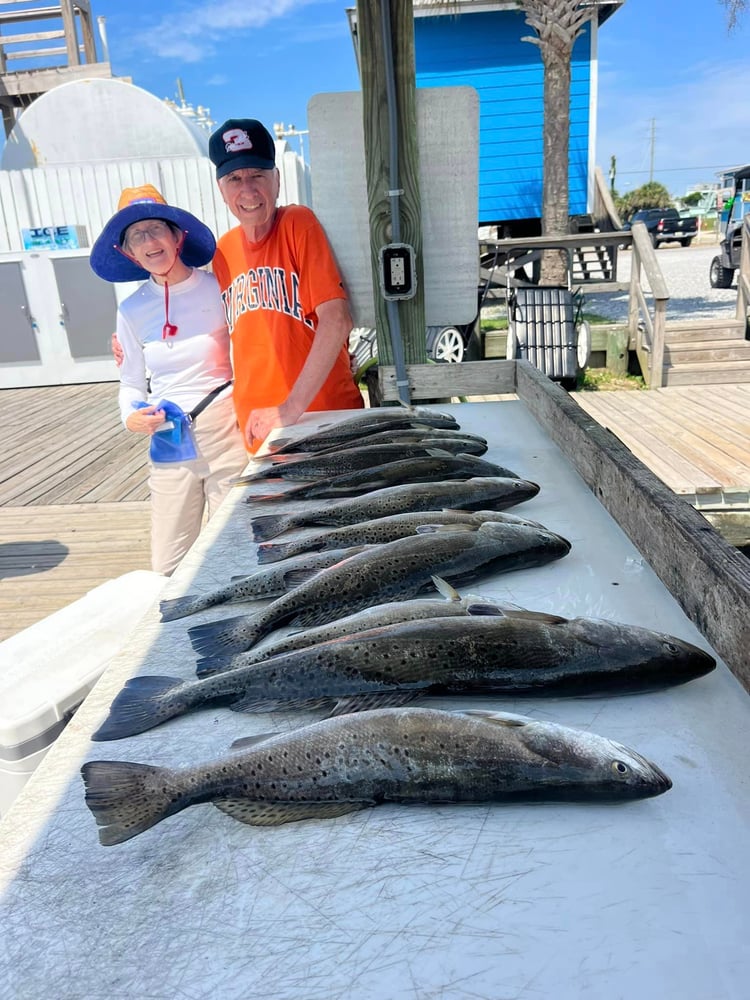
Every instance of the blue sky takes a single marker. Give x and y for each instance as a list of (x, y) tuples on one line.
[(669, 65)]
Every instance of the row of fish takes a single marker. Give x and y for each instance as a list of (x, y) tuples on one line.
[(371, 644)]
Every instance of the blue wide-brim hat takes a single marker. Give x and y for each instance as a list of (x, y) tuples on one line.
[(135, 205)]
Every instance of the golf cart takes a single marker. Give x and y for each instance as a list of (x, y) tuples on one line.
[(723, 266)]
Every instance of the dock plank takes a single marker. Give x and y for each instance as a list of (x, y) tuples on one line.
[(696, 439)]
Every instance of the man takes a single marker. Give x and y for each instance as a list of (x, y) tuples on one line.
[(284, 300)]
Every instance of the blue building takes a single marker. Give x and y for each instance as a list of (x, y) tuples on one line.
[(480, 45)]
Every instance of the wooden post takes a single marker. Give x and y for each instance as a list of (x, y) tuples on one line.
[(71, 33), (87, 31), (372, 60)]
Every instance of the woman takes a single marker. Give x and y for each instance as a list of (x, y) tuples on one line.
[(175, 378)]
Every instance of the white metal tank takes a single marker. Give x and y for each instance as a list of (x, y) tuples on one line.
[(96, 121)]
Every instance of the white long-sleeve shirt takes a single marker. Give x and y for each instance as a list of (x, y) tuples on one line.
[(183, 368)]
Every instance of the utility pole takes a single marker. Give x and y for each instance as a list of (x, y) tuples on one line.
[(653, 136)]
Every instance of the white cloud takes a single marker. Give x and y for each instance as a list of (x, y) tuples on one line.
[(699, 119), (191, 32)]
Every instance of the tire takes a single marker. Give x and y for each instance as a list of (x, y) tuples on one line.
[(654, 241), (445, 344), (720, 276), (687, 242), (583, 345)]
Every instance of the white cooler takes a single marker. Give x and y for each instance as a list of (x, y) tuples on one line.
[(48, 669)]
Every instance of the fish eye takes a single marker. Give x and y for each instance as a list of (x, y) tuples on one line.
[(671, 648), (620, 768)]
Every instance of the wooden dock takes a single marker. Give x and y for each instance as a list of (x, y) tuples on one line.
[(74, 508), (696, 439), (74, 496)]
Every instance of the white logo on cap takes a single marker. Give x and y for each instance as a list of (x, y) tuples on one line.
[(236, 139)]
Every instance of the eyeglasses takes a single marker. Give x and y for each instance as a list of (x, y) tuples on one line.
[(156, 231)]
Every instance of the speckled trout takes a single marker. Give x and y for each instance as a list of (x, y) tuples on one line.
[(428, 468), (513, 653), (353, 762), (383, 529), (498, 493), (394, 571)]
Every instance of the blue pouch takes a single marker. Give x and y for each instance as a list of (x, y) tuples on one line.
[(175, 443)]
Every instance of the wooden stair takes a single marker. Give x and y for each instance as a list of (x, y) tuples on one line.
[(703, 352)]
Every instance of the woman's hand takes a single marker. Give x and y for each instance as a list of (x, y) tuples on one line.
[(146, 420), (117, 351)]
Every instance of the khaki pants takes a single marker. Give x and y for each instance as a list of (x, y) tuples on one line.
[(182, 491)]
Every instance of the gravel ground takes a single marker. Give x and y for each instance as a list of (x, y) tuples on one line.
[(685, 270)]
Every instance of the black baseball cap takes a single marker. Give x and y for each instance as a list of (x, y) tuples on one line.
[(241, 142)]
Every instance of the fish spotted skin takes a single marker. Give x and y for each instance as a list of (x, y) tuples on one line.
[(434, 437), (349, 460), (382, 529), (470, 494), (418, 469), (391, 572), (517, 653), (352, 762), (374, 617), (267, 582), (362, 424)]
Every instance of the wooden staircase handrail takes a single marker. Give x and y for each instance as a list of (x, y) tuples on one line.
[(743, 275), (645, 329)]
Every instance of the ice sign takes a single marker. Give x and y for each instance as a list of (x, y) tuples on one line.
[(50, 238)]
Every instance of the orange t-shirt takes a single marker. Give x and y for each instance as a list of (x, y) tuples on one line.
[(270, 292)]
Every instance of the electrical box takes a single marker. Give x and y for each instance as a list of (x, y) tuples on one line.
[(398, 278)]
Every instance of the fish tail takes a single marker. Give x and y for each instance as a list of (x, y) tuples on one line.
[(179, 607), (140, 705), (127, 798), (271, 552), (230, 635), (268, 526), (208, 666)]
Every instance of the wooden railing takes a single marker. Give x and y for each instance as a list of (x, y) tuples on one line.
[(646, 325), (743, 274)]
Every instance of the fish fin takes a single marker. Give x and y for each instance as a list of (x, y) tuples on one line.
[(365, 702), (271, 552), (177, 607), (136, 708), (267, 526), (251, 703), (445, 589), (497, 718), (536, 616), (126, 798), (267, 497), (207, 666), (278, 813), (441, 529), (250, 477), (295, 577), (489, 610), (220, 636), (250, 741)]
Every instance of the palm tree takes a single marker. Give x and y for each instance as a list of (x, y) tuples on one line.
[(734, 9), (557, 24)]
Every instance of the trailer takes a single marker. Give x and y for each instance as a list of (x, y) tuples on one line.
[(644, 900)]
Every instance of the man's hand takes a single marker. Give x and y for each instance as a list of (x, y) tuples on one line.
[(261, 422), (117, 350)]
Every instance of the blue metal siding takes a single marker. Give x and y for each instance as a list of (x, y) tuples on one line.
[(485, 51)]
